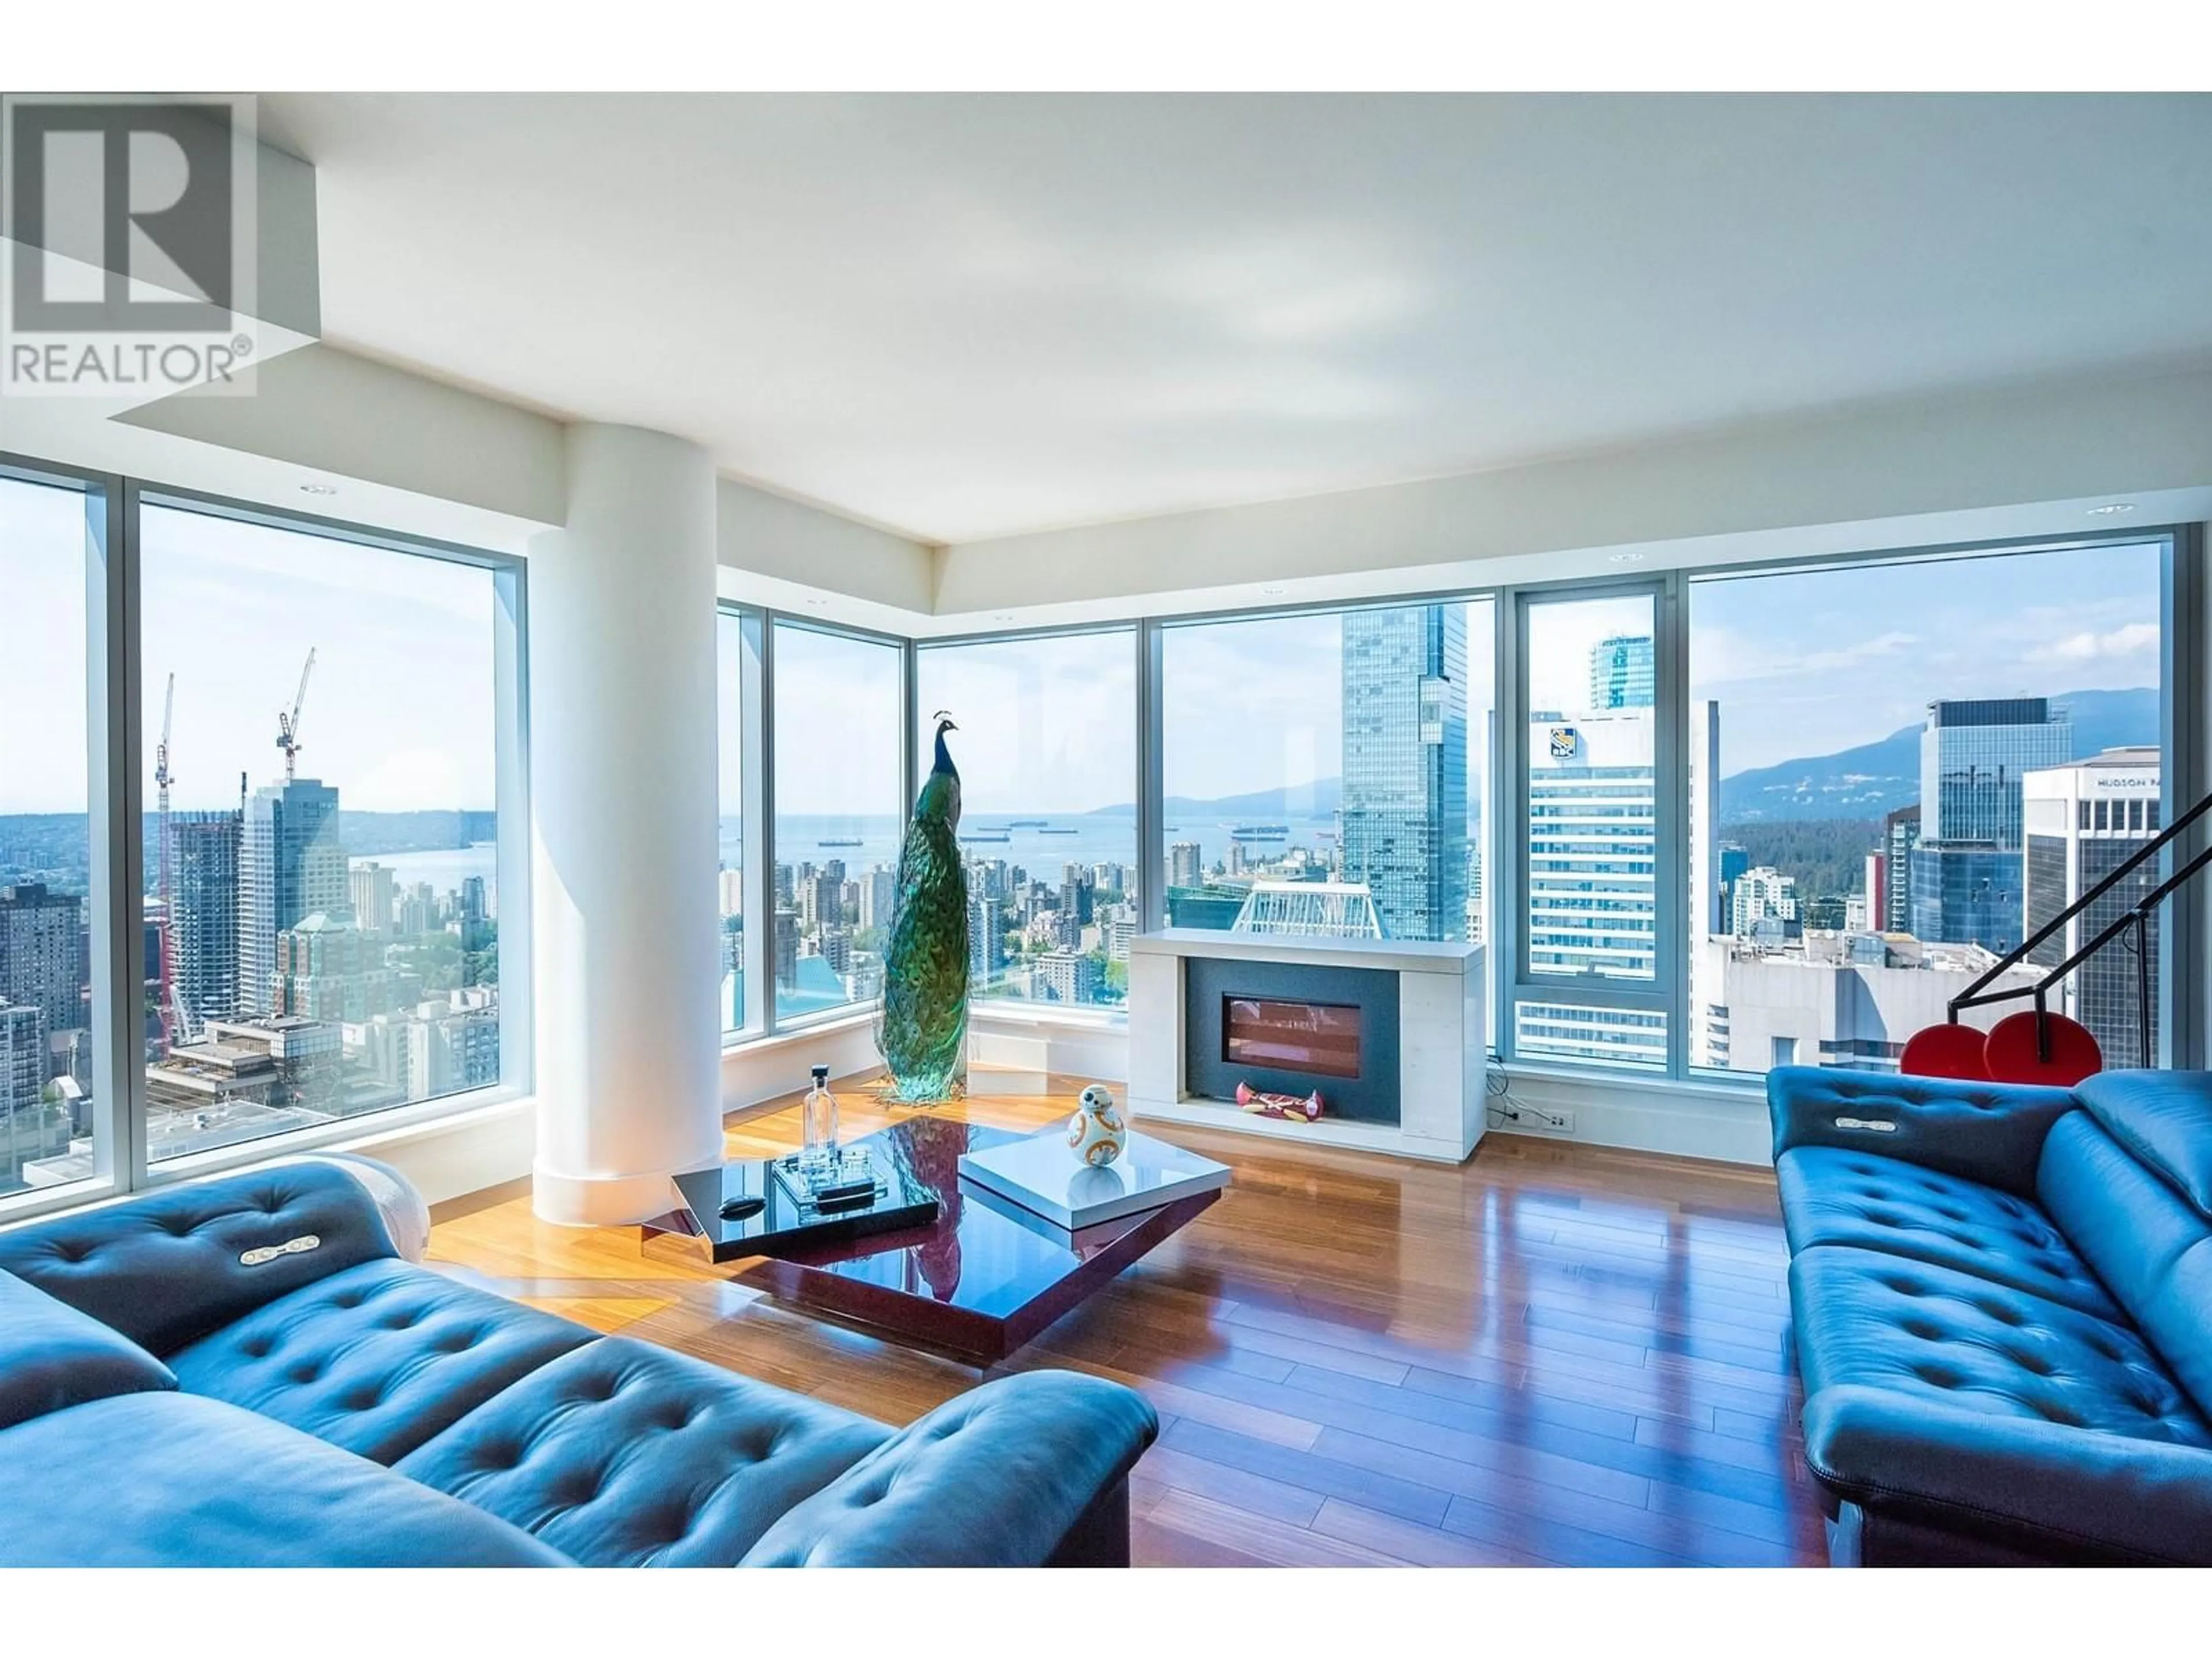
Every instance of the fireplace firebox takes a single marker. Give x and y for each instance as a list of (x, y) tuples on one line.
[(1295, 1028)]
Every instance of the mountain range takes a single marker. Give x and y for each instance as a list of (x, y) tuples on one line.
[(1876, 778), (1864, 781)]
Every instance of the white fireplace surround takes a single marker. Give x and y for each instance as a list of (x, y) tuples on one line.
[(1441, 1048)]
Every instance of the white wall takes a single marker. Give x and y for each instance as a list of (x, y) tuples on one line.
[(775, 551), (329, 411), (1901, 475)]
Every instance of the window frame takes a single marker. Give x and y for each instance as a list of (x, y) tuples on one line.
[(1143, 781), (116, 813), (756, 791)]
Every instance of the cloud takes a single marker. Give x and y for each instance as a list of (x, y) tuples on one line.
[(2130, 639), (1891, 644)]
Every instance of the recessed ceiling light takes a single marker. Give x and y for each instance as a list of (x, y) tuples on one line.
[(2111, 509), (1624, 558), (319, 489)]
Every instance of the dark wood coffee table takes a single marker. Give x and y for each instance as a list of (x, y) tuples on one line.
[(977, 1283)]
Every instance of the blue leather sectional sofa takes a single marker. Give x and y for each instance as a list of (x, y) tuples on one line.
[(251, 1371), (2002, 1302)]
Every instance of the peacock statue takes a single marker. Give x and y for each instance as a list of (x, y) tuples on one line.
[(922, 1032)]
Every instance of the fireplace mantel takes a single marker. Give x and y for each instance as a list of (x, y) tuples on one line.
[(1438, 1046)]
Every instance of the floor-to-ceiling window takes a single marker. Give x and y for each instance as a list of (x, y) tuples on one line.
[(837, 704), (47, 998), (730, 777), (321, 751), (1901, 770), (1046, 751), (1323, 771), (1592, 940)]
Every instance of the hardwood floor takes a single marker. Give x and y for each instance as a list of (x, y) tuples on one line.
[(1553, 1354)]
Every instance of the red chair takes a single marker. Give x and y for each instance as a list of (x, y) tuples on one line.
[(1946, 1051), (2014, 1051)]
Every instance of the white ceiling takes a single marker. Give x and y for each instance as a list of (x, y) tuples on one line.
[(967, 317)]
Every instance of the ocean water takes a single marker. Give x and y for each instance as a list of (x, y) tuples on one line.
[(1038, 842)]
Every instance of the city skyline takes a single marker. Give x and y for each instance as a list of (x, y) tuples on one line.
[(1806, 662)]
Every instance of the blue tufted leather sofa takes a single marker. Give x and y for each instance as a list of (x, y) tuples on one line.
[(250, 1371), (2003, 1302)]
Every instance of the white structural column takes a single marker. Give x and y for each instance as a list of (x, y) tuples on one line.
[(622, 794)]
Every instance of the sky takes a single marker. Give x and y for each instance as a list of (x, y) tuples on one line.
[(399, 713), (1810, 662)]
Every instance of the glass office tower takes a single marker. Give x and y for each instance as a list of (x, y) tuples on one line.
[(1405, 767)]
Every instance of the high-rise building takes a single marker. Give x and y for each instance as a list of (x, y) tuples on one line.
[(1900, 834), (733, 885), (785, 942), (41, 954), (453, 1049), (1760, 895), (22, 1059), (475, 903), (418, 910), (31, 1127), (1593, 818), (987, 937), (374, 890), (328, 968), (2083, 822), (1184, 867), (1405, 766), (291, 864), (1075, 892), (1973, 754), (822, 898), (204, 912), (1063, 977), (1967, 893), (879, 895), (1624, 673)]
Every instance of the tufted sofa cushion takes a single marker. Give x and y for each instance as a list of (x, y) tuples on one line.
[(1989, 1133), (169, 1267), (171, 1480), (376, 1358), (52, 1357), (2144, 1237), (1914, 1331), (2163, 1118), (620, 1454), (1002, 1476), (1830, 1196)]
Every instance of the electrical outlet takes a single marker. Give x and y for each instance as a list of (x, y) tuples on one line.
[(1541, 1120)]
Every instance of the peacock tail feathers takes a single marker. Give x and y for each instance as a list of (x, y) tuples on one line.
[(922, 1030)]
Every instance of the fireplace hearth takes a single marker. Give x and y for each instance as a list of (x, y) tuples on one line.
[(1390, 1033)]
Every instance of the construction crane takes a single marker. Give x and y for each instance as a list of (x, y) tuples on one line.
[(287, 726), (173, 1018)]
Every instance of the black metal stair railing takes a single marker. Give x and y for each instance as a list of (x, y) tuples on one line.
[(2135, 919)]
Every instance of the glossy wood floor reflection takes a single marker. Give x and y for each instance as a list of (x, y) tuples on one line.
[(1553, 1354)]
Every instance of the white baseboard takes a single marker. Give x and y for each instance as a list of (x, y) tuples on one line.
[(1093, 1053), (450, 1158), (1729, 1124)]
